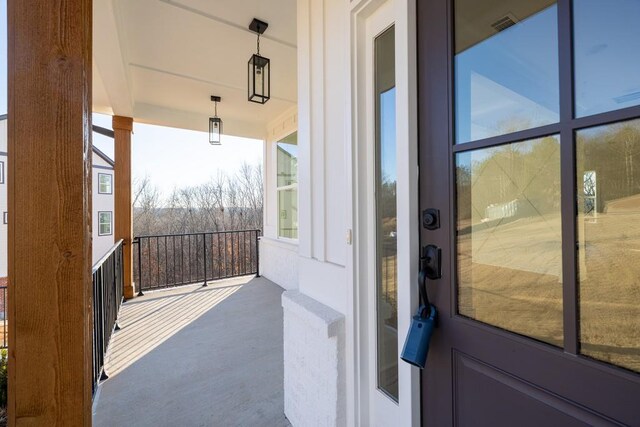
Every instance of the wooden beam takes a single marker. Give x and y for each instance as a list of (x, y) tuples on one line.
[(49, 186), (122, 129)]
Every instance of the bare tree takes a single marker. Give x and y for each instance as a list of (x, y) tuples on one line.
[(224, 203)]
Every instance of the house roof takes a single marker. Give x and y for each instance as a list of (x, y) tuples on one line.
[(103, 156)]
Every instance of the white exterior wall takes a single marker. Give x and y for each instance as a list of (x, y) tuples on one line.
[(315, 331), (335, 170), (3, 200), (101, 202)]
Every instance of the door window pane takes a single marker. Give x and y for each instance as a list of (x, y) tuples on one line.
[(607, 55), (506, 67), (386, 243), (509, 244), (608, 177)]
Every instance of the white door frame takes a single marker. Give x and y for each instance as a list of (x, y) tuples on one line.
[(370, 18)]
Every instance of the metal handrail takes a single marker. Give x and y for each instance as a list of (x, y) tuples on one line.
[(169, 260), (198, 233), (107, 255), (108, 281)]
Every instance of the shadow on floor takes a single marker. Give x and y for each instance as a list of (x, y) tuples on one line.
[(197, 357)]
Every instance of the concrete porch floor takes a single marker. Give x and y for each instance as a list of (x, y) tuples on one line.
[(195, 356)]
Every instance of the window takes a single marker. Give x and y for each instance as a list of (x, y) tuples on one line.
[(287, 183), (386, 214), (104, 223), (527, 262), (105, 181), (1, 172)]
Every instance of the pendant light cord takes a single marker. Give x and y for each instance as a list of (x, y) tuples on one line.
[(258, 44)]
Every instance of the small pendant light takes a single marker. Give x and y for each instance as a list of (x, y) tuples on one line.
[(259, 69), (215, 124)]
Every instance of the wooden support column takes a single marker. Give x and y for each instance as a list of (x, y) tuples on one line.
[(122, 129), (49, 186)]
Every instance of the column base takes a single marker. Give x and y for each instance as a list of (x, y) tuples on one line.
[(129, 292)]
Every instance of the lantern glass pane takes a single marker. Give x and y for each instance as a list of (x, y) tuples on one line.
[(259, 79), (215, 130)]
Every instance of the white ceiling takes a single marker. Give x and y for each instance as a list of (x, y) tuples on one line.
[(161, 60)]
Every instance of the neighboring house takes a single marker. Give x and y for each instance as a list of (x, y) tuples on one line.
[(103, 215), (3, 200), (102, 198)]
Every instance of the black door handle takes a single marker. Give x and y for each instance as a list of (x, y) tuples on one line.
[(430, 262)]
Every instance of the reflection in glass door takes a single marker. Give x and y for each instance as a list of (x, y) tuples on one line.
[(516, 269), (386, 215), (608, 162)]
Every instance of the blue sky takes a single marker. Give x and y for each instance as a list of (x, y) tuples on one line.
[(172, 158), (175, 158)]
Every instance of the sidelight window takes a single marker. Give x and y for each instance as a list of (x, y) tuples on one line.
[(386, 214)]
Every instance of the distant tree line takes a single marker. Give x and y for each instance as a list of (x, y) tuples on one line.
[(225, 203)]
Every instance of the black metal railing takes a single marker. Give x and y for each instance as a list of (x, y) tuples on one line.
[(170, 260), (107, 298), (3, 317)]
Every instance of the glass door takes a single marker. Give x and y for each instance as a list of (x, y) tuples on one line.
[(540, 301)]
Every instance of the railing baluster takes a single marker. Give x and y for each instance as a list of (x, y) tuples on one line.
[(244, 252), (219, 263), (204, 244), (233, 257), (257, 253), (225, 256), (166, 264)]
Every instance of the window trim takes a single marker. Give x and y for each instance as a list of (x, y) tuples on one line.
[(1, 171), (100, 174), (110, 233)]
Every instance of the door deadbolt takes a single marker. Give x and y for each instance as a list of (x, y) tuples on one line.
[(431, 219)]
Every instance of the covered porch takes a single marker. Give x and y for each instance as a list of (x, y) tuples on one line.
[(177, 359), (187, 356)]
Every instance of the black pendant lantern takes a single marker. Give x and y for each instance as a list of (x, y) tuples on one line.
[(215, 124), (259, 69)]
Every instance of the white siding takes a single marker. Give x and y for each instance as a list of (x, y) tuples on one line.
[(334, 173), (3, 200), (101, 202)]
